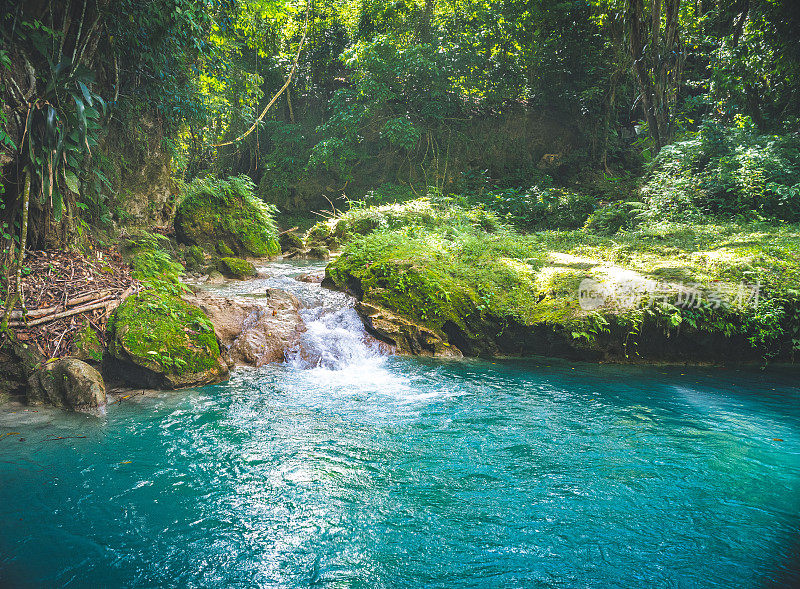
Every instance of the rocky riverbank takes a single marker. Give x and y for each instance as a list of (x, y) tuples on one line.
[(435, 279)]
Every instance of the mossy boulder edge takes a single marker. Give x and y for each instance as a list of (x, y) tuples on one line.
[(163, 342), (236, 268)]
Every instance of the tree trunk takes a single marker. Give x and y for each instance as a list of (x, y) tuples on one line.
[(17, 295), (640, 67)]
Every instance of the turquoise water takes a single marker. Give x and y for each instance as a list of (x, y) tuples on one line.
[(408, 473), (348, 468)]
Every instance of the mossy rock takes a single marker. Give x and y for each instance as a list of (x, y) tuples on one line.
[(318, 252), (17, 362), (87, 346), (319, 234), (216, 213), (236, 268), (290, 242), (224, 251), (68, 383), (162, 341), (194, 257)]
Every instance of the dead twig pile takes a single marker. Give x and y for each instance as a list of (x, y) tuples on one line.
[(64, 291)]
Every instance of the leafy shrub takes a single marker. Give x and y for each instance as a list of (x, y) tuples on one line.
[(610, 218), (387, 193), (537, 208), (420, 213), (154, 265), (154, 261), (726, 172)]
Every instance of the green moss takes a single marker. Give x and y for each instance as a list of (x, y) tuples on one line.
[(318, 252), (219, 213), (87, 344), (194, 257), (236, 268), (290, 241), (163, 334), (224, 250)]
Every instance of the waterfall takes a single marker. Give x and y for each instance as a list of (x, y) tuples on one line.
[(335, 339)]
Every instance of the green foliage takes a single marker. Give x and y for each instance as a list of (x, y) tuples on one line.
[(423, 213), (726, 172), (87, 344), (215, 211), (283, 157), (400, 132), (224, 250), (63, 125), (156, 46), (537, 208), (154, 265), (388, 193), (612, 217), (445, 274)]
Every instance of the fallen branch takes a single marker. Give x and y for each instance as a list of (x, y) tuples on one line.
[(92, 296), (63, 314), (34, 313)]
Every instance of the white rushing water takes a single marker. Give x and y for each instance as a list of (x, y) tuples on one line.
[(335, 338)]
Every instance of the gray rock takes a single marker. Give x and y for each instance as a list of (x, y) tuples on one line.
[(69, 384), (255, 333), (408, 337), (215, 277), (17, 362), (311, 277)]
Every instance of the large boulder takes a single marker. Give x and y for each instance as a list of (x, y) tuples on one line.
[(254, 332), (290, 241), (69, 383), (18, 361), (218, 214), (161, 341)]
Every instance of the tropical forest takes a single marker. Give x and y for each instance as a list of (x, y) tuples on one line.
[(400, 293)]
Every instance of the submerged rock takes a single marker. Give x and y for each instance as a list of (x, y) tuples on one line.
[(311, 277), (214, 277), (254, 333), (161, 341), (69, 383)]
